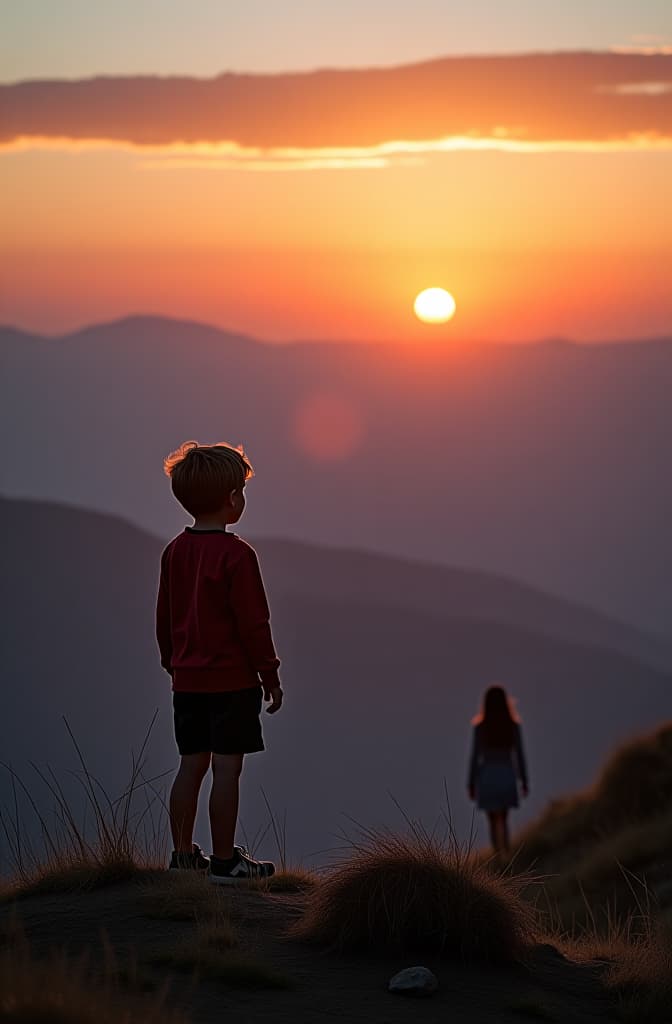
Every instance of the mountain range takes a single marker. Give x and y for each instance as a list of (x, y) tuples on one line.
[(547, 463)]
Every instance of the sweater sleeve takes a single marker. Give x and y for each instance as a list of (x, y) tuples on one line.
[(163, 627), (252, 615), (520, 756)]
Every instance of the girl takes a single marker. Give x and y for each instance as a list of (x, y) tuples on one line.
[(497, 763)]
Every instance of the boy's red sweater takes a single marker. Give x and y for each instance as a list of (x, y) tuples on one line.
[(212, 617)]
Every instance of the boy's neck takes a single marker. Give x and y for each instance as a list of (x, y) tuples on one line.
[(208, 523)]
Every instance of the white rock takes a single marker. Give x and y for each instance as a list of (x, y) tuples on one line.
[(414, 981)]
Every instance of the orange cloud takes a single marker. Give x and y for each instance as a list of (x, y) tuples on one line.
[(540, 98), (231, 155)]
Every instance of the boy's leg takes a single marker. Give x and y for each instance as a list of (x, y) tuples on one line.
[(226, 769), (184, 799)]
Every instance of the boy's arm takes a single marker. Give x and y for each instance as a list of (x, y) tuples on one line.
[(163, 630), (252, 615)]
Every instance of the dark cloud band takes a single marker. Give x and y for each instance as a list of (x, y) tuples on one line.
[(534, 98)]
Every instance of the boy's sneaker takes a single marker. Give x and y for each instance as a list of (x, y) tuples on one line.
[(241, 868), (194, 861)]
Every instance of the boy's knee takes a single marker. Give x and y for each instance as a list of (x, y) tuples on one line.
[(230, 765), (195, 765)]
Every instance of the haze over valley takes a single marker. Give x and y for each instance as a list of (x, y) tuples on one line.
[(384, 661)]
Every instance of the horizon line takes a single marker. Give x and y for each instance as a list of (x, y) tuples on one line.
[(233, 333)]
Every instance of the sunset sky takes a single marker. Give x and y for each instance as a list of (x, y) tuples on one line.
[(521, 161)]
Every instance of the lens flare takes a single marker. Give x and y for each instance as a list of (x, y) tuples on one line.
[(327, 427)]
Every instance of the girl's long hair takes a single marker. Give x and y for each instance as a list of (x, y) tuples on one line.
[(497, 719)]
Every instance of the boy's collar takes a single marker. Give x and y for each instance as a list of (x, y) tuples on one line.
[(192, 529)]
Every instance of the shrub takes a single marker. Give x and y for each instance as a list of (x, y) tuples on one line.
[(416, 892)]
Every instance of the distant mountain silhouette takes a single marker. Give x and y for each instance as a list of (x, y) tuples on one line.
[(384, 662), (547, 463)]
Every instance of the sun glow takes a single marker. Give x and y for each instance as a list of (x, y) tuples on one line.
[(434, 306)]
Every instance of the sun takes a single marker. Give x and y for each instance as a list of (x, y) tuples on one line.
[(434, 306)]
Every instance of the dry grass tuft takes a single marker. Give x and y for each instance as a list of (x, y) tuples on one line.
[(289, 880), (119, 839), (635, 954), (636, 974), (65, 875), (181, 896), (62, 991), (640, 980), (233, 969), (416, 892), (208, 950), (211, 953), (216, 934)]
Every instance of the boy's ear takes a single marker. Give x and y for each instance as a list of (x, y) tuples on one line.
[(232, 496)]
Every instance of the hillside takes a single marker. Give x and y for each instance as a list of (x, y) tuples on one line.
[(545, 463), (390, 663), (609, 845)]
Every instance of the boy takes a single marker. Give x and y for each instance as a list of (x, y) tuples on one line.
[(214, 636)]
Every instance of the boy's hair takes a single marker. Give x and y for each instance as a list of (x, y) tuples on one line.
[(203, 475)]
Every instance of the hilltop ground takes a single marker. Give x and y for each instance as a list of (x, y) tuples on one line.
[(584, 934), (273, 977)]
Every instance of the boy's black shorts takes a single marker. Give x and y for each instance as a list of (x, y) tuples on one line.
[(221, 723)]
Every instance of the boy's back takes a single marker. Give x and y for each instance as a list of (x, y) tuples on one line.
[(212, 614)]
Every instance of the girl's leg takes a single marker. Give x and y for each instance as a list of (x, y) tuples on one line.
[(184, 799), (494, 829), (226, 769), (505, 830), (499, 830)]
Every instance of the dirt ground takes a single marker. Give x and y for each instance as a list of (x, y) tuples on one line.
[(323, 986)]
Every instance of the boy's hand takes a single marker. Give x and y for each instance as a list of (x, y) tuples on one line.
[(274, 695)]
